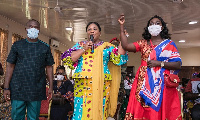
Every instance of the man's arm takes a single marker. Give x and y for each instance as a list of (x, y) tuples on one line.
[(9, 72), (49, 70)]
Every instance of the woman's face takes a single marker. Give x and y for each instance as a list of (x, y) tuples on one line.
[(155, 21), (93, 30), (155, 27)]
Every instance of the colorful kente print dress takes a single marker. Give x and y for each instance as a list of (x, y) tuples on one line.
[(83, 78), (150, 99)]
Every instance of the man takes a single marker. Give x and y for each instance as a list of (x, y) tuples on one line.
[(25, 81), (192, 92)]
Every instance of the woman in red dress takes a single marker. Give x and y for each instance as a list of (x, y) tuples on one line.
[(150, 98)]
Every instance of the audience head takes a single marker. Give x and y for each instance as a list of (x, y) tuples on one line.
[(194, 75), (115, 41), (60, 70)]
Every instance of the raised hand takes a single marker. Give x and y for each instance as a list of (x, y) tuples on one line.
[(121, 20)]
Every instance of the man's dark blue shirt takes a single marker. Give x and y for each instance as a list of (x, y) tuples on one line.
[(28, 81)]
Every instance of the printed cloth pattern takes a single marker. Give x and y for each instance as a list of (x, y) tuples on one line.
[(153, 84), (83, 90)]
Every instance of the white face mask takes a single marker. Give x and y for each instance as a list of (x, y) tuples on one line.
[(60, 77), (155, 30), (32, 33)]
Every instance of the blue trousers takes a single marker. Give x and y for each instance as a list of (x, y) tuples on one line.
[(19, 110)]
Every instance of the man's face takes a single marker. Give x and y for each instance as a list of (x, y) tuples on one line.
[(33, 24)]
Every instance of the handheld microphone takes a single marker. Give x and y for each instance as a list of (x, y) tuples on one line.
[(92, 39)]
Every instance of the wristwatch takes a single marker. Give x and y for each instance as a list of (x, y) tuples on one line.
[(162, 64)]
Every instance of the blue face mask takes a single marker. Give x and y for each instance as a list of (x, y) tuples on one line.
[(32, 33)]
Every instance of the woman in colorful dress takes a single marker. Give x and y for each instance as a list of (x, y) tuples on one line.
[(150, 98), (97, 79)]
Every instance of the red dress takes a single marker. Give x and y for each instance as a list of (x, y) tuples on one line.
[(136, 110)]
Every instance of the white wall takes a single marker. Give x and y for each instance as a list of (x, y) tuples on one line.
[(190, 56)]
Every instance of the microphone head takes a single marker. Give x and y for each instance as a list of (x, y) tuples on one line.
[(91, 37)]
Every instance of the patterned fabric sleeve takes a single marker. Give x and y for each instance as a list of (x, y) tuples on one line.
[(68, 91), (117, 58), (138, 45), (69, 96), (66, 56), (175, 56)]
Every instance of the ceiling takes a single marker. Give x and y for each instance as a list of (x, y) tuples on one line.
[(56, 15)]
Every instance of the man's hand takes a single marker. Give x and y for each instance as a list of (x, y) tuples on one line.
[(6, 95), (50, 92)]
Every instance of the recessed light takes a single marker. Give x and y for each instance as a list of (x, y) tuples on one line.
[(181, 41), (68, 28), (193, 22), (79, 9)]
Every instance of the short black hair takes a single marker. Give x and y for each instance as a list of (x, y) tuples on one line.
[(60, 67), (97, 24), (34, 21), (164, 33)]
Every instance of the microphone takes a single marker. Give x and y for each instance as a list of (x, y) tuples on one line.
[(92, 39)]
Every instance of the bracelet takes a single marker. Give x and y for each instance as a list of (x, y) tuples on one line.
[(6, 88), (83, 49)]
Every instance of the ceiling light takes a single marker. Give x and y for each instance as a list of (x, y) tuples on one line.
[(68, 28), (177, 1), (79, 9), (193, 22), (181, 41)]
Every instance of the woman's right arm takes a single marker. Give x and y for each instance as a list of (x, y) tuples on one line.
[(71, 56), (124, 42), (75, 55)]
